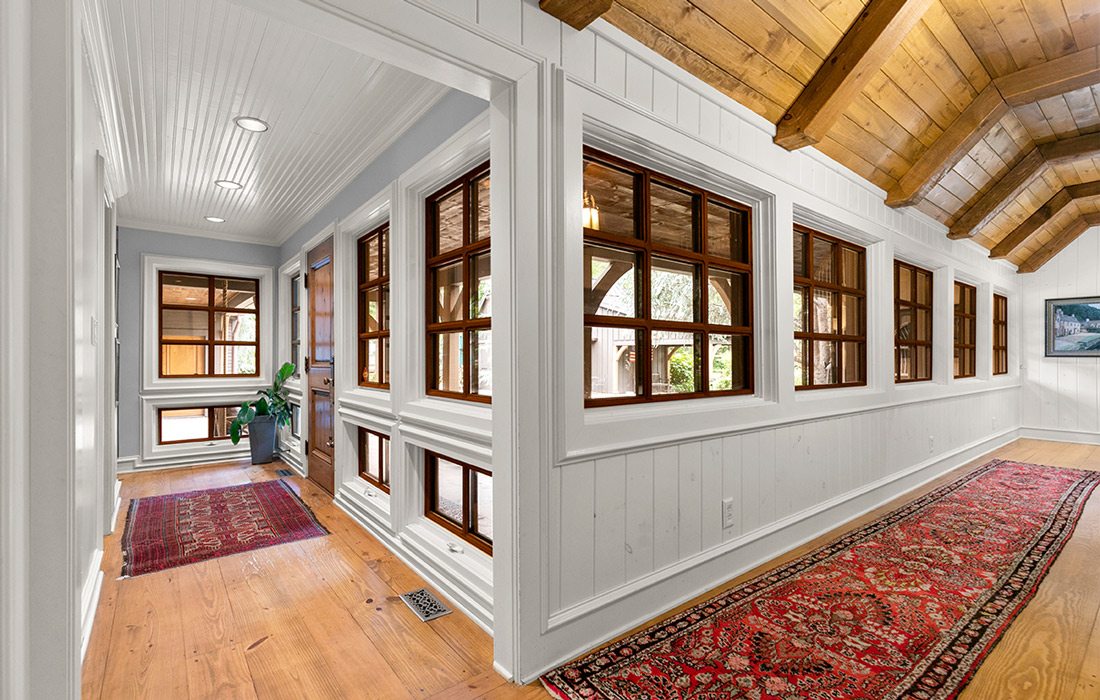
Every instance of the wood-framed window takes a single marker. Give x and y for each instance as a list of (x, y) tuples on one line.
[(830, 311), (209, 326), (295, 322), (966, 329), (374, 307), (195, 424), (1000, 334), (374, 458), (295, 420), (459, 284), (912, 323), (667, 286), (459, 497)]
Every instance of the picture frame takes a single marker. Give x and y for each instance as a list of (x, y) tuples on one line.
[(1073, 327)]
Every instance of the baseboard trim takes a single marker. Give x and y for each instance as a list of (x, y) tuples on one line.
[(1061, 435), (89, 599), (133, 465), (762, 545), (118, 505)]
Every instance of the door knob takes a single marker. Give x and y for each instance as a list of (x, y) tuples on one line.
[(327, 381), (330, 443)]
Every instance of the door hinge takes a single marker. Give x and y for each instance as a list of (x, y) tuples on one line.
[(305, 280), (307, 446)]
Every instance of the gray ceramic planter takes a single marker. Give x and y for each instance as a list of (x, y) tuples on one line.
[(261, 439)]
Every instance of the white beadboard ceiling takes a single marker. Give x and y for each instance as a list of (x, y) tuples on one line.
[(172, 74)]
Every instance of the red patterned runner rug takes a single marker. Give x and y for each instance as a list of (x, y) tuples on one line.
[(907, 606), (184, 528)]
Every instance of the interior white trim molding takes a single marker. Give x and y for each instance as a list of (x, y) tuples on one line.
[(89, 598), (1061, 435)]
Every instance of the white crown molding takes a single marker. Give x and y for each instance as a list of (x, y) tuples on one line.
[(159, 227)]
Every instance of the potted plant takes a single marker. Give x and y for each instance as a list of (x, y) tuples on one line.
[(263, 416)]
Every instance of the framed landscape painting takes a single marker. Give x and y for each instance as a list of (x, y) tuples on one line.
[(1073, 327)]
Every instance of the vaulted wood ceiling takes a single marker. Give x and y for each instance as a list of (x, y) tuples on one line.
[(984, 114)]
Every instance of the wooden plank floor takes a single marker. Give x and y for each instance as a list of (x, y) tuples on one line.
[(320, 618)]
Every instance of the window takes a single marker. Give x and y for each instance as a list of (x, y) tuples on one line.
[(374, 308), (209, 326), (460, 350), (830, 318), (667, 288), (1000, 334), (912, 323), (460, 498), (195, 424), (295, 320), (296, 420), (374, 458), (966, 325)]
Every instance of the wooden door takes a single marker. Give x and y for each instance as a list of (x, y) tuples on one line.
[(319, 366)]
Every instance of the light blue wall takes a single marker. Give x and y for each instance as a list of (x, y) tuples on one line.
[(453, 111), (132, 243)]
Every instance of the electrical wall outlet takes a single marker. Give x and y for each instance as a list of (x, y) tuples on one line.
[(729, 513)]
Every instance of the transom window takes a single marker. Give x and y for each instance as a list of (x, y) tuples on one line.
[(459, 497), (966, 327), (195, 424), (667, 287), (1000, 334), (209, 326), (460, 296), (374, 458), (912, 323), (830, 317), (374, 307)]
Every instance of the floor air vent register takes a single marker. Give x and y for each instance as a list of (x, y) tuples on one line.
[(426, 606)]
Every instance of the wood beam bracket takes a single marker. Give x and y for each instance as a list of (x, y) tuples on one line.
[(1061, 199), (578, 14), (1059, 243)]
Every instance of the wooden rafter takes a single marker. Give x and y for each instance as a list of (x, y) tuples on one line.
[(1019, 178), (1059, 242), (1055, 77), (578, 14), (874, 35), (1020, 235)]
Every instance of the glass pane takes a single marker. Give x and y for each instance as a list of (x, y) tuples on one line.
[(824, 260), (672, 291), (448, 212), (385, 297), (371, 361), (825, 363), (609, 283), (374, 258), (825, 311), (295, 332), (374, 456), (481, 296), (727, 232), (905, 283), (610, 362), (295, 420), (372, 308), (234, 294), (295, 291), (728, 355), (234, 359), (905, 325), (726, 299), (924, 288), (801, 309), (851, 317), (385, 461), (799, 254), (905, 368), (384, 252), (232, 325), (223, 418), (482, 489), (448, 361), (958, 297), (193, 290), (672, 216), (852, 362), (924, 362), (675, 367), (183, 360), (924, 325), (609, 199), (447, 282), (481, 372), (447, 499), (184, 325), (801, 362), (179, 424), (481, 209), (851, 268), (386, 360)]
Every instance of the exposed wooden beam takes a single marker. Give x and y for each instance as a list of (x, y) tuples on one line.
[(955, 142), (1058, 243), (1019, 235), (1056, 77), (863, 49), (578, 14), (1019, 177)]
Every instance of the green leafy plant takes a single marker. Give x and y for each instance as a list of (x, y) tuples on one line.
[(272, 402)]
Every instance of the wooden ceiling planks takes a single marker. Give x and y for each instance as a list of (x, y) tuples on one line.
[(947, 120)]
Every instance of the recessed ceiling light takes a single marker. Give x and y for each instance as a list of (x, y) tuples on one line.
[(215, 219), (251, 124), (228, 184)]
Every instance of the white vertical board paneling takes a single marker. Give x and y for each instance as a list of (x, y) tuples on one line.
[(577, 573), (639, 514), (666, 507), (691, 499), (610, 523), (639, 82), (541, 32), (502, 17), (711, 484)]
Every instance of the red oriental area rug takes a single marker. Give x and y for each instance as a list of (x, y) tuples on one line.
[(184, 528), (905, 607)]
